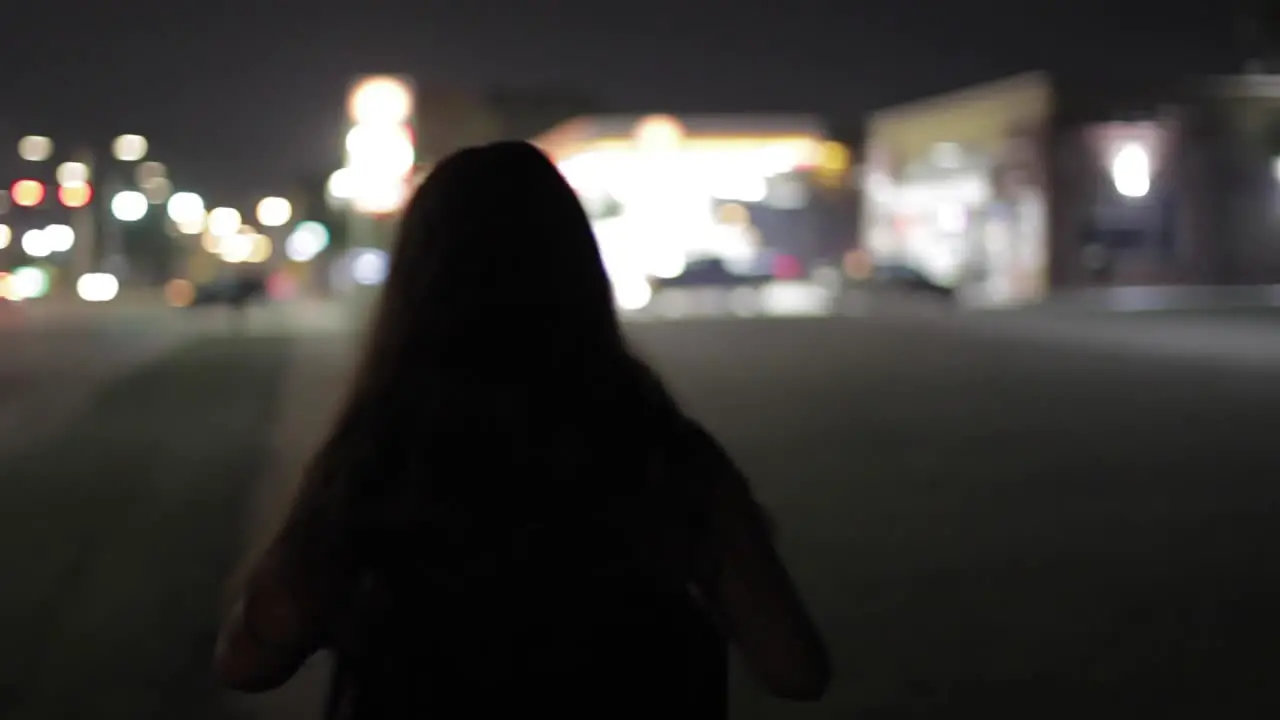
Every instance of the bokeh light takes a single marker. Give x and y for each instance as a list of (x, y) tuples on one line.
[(308, 240), (148, 171), (381, 100), (72, 173), (224, 221), (342, 185), (381, 150), (129, 148), (179, 293), (97, 287), (185, 208), (35, 245), (157, 190), (59, 237), (129, 205), (28, 282), (261, 248), (369, 266), (75, 196), (274, 211), (35, 148), (6, 236), (27, 193), (237, 247)]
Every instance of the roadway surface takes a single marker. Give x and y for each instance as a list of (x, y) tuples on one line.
[(998, 516), (1006, 515)]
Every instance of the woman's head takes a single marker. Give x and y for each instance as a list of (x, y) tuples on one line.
[(495, 264)]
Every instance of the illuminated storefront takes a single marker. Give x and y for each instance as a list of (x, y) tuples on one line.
[(663, 192)]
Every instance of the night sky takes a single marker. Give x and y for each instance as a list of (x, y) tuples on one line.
[(241, 97)]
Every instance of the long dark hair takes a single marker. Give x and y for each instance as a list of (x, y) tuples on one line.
[(495, 327)]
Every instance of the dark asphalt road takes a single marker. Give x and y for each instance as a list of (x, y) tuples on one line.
[(988, 520)]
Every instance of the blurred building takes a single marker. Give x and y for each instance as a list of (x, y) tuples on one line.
[(1013, 189), (762, 194)]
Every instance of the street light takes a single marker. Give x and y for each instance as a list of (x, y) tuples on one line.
[(307, 240), (129, 148), (59, 237), (6, 236), (72, 173), (35, 244), (274, 211), (185, 208), (381, 100), (35, 148), (223, 222), (129, 206)]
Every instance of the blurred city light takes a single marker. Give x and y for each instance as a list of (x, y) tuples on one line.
[(369, 266), (238, 246), (179, 293), (185, 208), (342, 185), (260, 249), (129, 148), (274, 211), (27, 193), (380, 195), (1131, 171), (35, 245), (97, 287), (224, 221), (381, 151), (6, 292), (72, 173), (308, 239), (6, 236), (157, 190), (28, 282), (75, 196), (35, 148), (148, 171), (59, 237), (194, 226), (129, 205), (211, 243), (381, 100), (633, 293)]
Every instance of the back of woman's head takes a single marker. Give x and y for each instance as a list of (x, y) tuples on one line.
[(495, 268)]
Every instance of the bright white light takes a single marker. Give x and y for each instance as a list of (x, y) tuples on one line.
[(342, 184), (35, 245), (369, 266), (224, 222), (35, 148), (307, 240), (97, 287), (380, 195), (632, 293), (237, 247), (1131, 171), (28, 282), (274, 211), (6, 236), (129, 148), (72, 173), (129, 205), (185, 208), (381, 101), (381, 150), (59, 238), (193, 226)]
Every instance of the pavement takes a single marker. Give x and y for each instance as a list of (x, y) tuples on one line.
[(989, 516)]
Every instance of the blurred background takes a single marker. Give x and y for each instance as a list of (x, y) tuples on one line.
[(983, 295)]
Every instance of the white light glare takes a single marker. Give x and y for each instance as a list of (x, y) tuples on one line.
[(381, 101), (59, 238), (129, 205), (6, 236), (35, 148), (185, 208), (129, 148), (35, 244), (72, 173), (224, 222), (1131, 171), (97, 287), (307, 240), (369, 266), (274, 211)]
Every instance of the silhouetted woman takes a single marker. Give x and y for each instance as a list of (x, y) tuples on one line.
[(511, 513)]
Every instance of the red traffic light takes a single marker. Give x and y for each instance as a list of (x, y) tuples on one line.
[(27, 193), (75, 196)]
